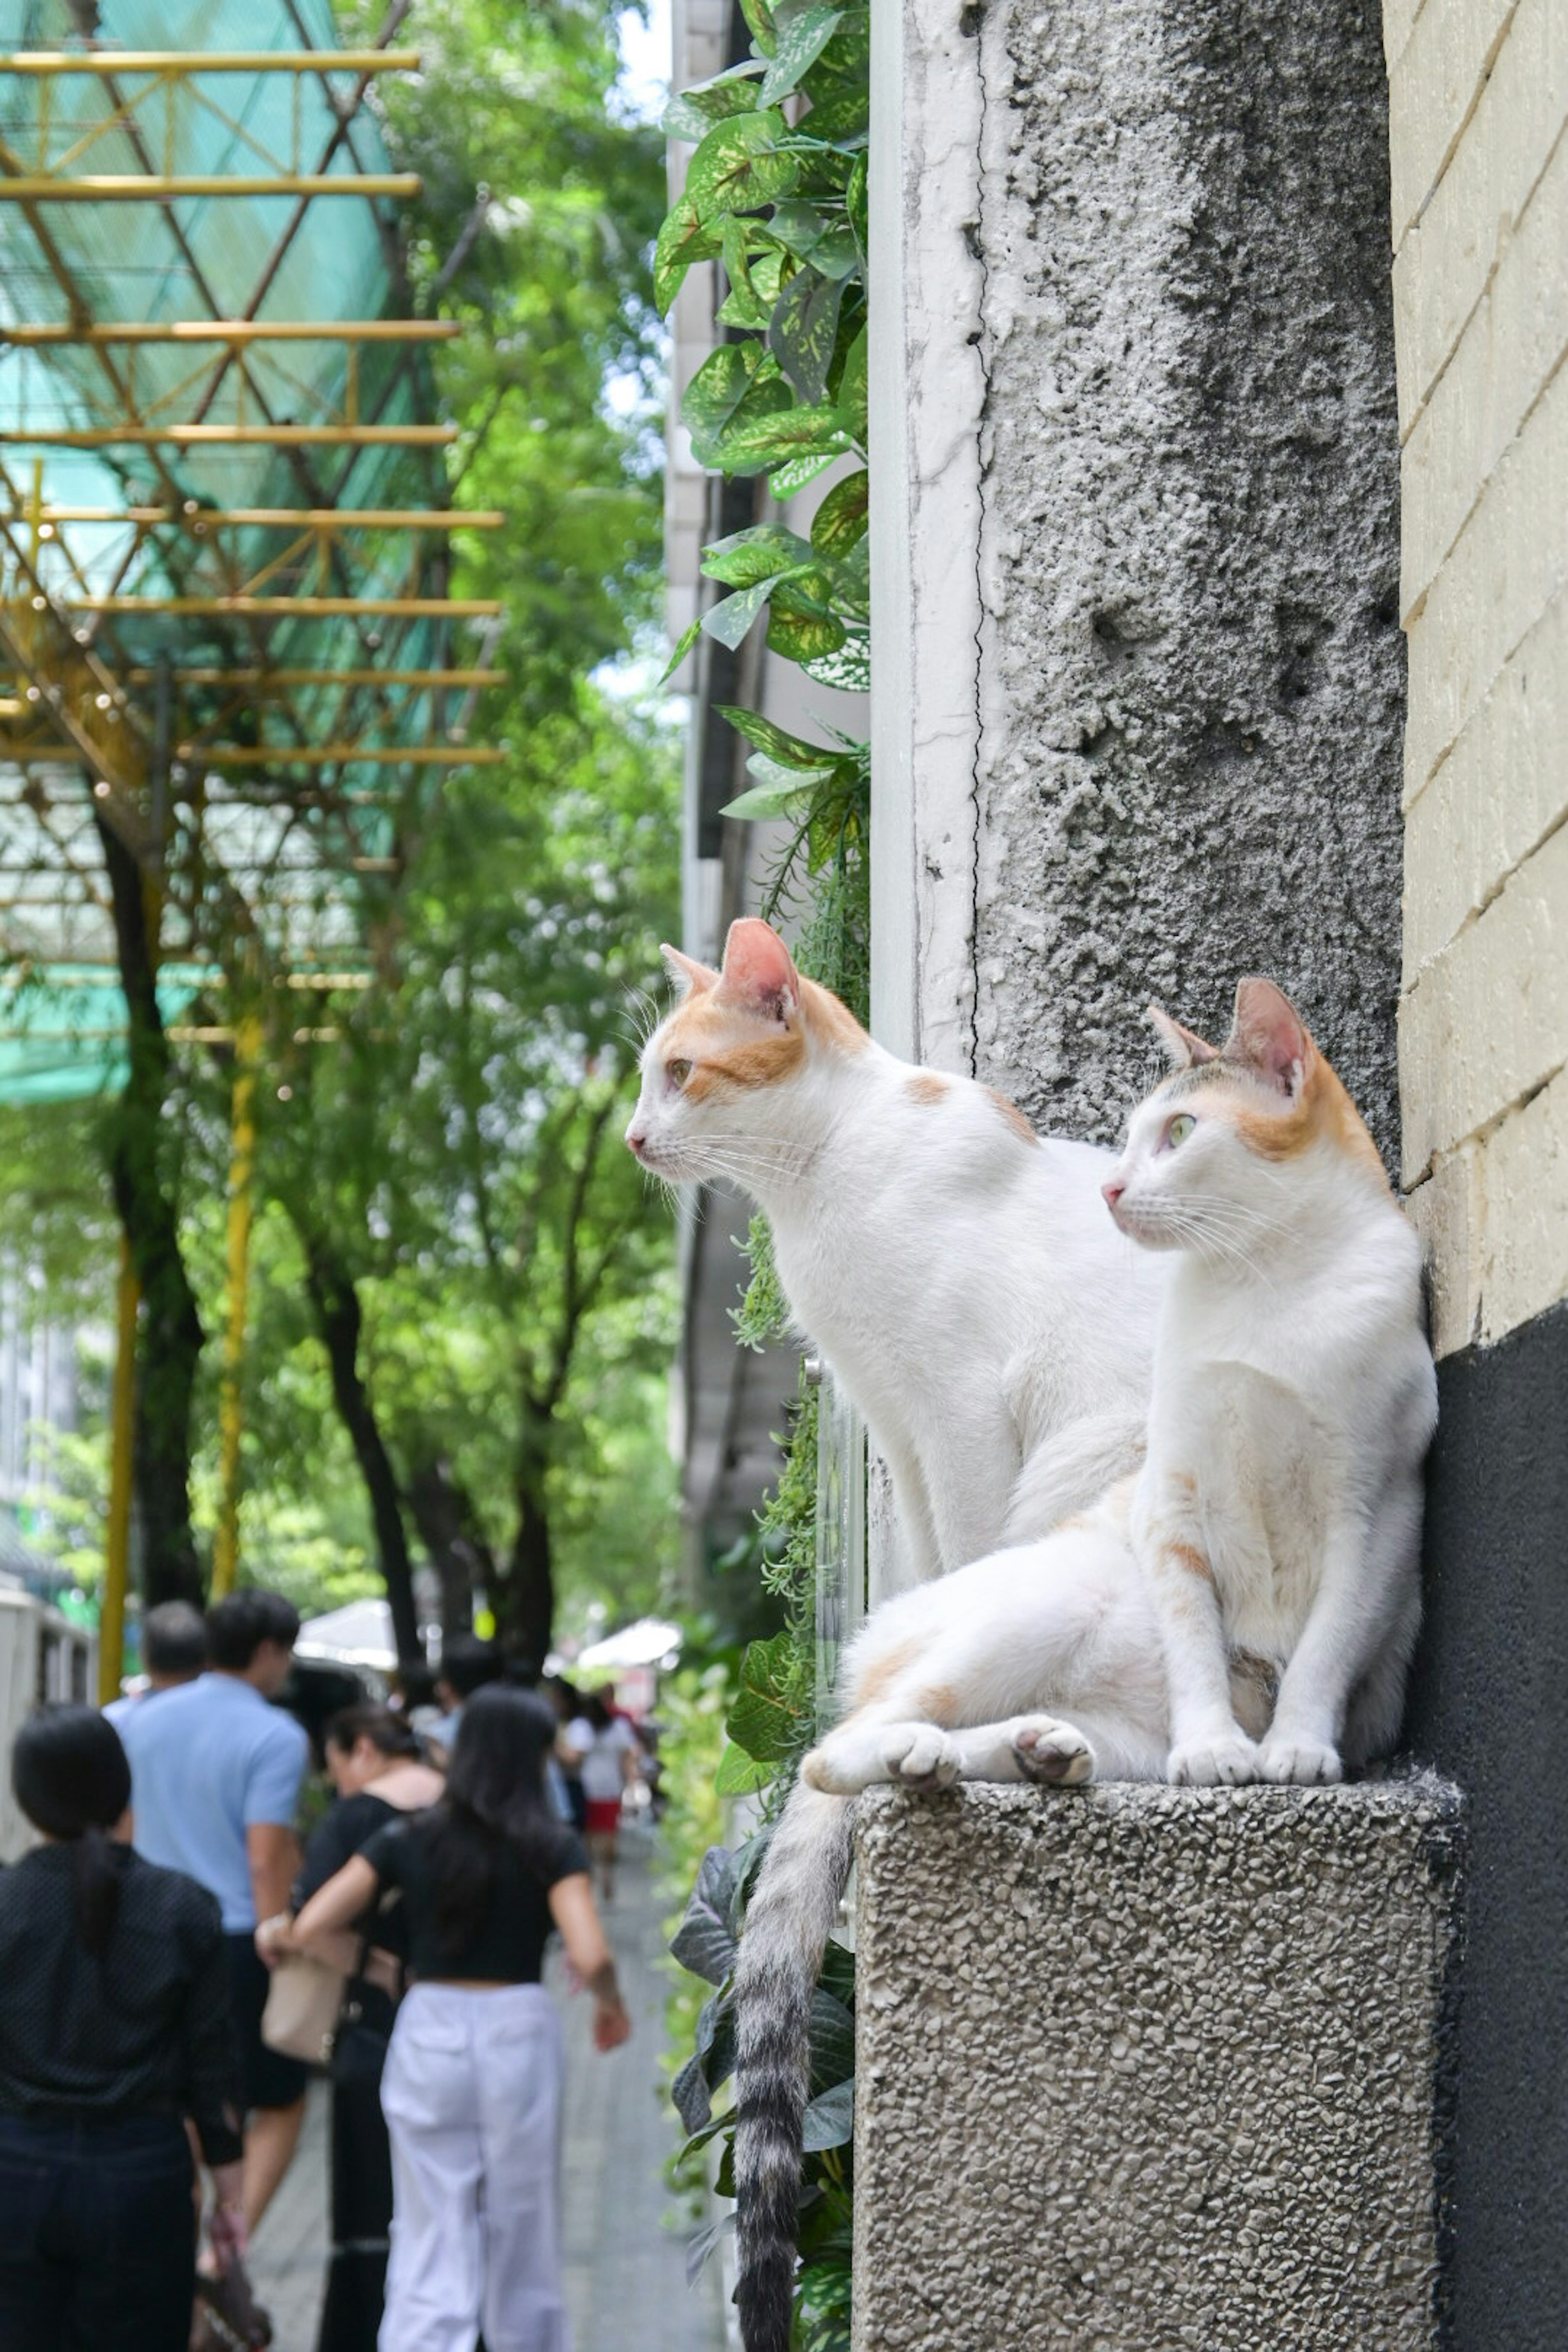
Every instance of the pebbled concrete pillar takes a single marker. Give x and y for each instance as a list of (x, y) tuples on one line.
[(1148, 2070), (1135, 547)]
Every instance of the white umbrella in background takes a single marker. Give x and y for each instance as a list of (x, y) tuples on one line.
[(358, 1635), (651, 1641)]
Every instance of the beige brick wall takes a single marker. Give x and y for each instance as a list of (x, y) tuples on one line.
[(1478, 149)]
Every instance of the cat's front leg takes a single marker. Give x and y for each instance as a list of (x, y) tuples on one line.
[(1357, 1598), (1208, 1747)]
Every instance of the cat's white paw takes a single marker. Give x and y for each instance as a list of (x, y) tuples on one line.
[(919, 1755), (1310, 1762), (1052, 1752), (834, 1774), (1221, 1763)]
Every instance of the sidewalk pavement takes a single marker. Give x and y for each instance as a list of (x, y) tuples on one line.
[(625, 2237)]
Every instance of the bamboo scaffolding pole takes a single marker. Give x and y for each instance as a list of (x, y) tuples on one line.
[(432, 678), (412, 608), (235, 331), (105, 64), (197, 518), (117, 1543), (219, 1033), (247, 1041), (323, 755), (202, 437), (136, 187)]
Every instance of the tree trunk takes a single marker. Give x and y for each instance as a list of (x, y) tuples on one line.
[(525, 1603), (336, 1302), (170, 1336), (444, 1515)]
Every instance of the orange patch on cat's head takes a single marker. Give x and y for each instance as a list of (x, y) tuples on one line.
[(752, 1023), (1269, 1081)]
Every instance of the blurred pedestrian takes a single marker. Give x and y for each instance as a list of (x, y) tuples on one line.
[(174, 1651), (568, 1705), (114, 2026), (607, 1753), (372, 1758), (467, 1664), (215, 1774), (472, 2088)]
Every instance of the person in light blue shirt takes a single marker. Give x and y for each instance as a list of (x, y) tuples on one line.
[(215, 1784), (174, 1651)]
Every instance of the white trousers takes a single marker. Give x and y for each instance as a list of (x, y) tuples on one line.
[(472, 2099)]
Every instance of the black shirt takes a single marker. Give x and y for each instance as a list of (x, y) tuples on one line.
[(343, 1831), (144, 2030), (509, 1945)]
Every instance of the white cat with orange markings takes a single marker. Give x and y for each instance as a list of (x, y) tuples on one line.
[(959, 1273), (1242, 1609)]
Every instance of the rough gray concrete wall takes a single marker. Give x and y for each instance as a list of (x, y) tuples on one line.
[(1149, 2070), (1188, 689)]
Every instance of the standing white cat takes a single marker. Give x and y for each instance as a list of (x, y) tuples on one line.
[(958, 1272), (1242, 1608)]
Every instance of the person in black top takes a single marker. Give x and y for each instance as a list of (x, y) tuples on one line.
[(373, 1756), (472, 2088), (114, 2025)]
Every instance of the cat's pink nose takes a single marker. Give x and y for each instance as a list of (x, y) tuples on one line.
[(1113, 1193), (635, 1136)]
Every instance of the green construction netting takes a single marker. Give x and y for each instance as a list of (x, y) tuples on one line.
[(63, 1032), (301, 860)]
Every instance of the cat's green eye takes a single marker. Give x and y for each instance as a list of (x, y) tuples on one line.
[(678, 1072), (1180, 1129)]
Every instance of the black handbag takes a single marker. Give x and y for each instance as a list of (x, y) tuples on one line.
[(361, 2043)]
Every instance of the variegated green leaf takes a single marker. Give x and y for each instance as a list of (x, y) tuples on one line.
[(688, 637), (803, 635), (794, 433), (684, 238), (693, 113), (801, 42), (740, 166), (763, 551), (852, 387), (849, 669), (732, 617), (804, 330), (796, 472), (789, 750), (760, 22), (839, 523)]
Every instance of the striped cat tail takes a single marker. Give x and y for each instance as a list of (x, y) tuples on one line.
[(788, 1922)]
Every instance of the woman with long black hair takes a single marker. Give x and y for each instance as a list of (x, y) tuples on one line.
[(472, 2087), (375, 1764), (114, 2026)]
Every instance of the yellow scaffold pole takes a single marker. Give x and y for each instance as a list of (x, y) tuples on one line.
[(230, 1411), (117, 1549)]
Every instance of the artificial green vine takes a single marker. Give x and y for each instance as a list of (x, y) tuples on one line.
[(776, 194)]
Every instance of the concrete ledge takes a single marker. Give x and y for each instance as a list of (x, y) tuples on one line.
[(1148, 2068)]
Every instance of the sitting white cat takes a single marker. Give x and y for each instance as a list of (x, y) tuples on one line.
[(958, 1272), (1243, 1607)]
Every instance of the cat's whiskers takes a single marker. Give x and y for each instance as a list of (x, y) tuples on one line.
[(1206, 1232)]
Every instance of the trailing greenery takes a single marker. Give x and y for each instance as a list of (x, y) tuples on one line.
[(775, 193)]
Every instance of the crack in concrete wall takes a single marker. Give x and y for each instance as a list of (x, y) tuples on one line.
[(1193, 689), (1185, 742)]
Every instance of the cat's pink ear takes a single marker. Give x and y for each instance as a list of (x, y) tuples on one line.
[(1269, 1036), (759, 972), (692, 979), (1184, 1047)]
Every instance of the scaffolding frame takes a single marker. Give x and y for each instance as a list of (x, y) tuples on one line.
[(236, 653)]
